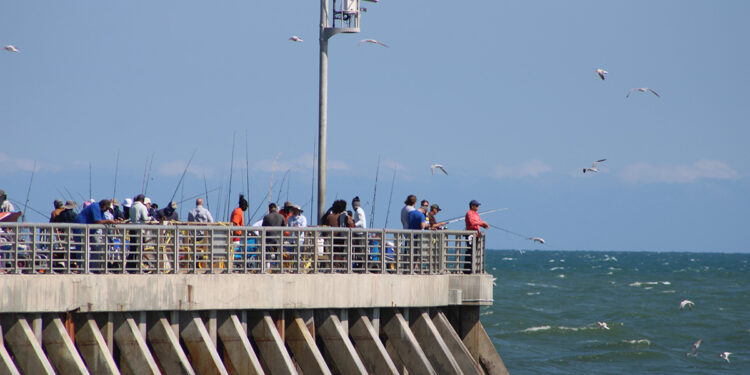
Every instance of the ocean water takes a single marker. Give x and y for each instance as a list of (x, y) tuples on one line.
[(548, 303)]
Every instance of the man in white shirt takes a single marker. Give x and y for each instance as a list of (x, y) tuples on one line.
[(359, 214)]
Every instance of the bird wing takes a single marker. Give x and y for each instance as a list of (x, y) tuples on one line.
[(601, 160), (442, 169), (363, 41), (654, 92), (630, 92), (386, 46)]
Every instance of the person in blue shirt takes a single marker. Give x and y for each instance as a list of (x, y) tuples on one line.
[(417, 219), (94, 213)]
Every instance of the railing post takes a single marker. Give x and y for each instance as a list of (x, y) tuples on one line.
[(263, 250), (349, 250)]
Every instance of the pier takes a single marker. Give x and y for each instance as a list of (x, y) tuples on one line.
[(213, 299)]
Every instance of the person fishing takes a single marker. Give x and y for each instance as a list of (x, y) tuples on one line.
[(473, 222)]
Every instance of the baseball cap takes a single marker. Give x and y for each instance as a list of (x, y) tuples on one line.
[(435, 206), (474, 202)]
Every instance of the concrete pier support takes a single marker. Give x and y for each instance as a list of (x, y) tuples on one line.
[(302, 344), (94, 349), (7, 367), (28, 353), (373, 352), (456, 346), (133, 348), (339, 346), (403, 340), (433, 345), (60, 349), (478, 342), (202, 349), (270, 345), (238, 347), (166, 346)]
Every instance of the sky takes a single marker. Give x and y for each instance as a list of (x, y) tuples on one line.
[(503, 94)]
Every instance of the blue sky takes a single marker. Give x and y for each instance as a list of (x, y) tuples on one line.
[(504, 95)]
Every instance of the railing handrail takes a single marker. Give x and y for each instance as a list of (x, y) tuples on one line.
[(179, 247)]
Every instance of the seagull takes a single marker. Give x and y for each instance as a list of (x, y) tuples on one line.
[(537, 239), (438, 166), (601, 73), (10, 48), (725, 356), (686, 303), (593, 166), (295, 38), (373, 41), (642, 89), (694, 349), (602, 325)]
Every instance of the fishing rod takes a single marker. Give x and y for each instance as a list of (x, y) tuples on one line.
[(374, 193), (183, 175), (273, 170), (148, 177), (91, 195), (459, 218), (145, 171), (535, 239), (198, 195), (30, 208), (256, 211), (281, 186), (205, 187), (231, 170), (117, 167), (312, 183), (388, 211), (71, 194), (288, 182), (28, 192), (247, 167)]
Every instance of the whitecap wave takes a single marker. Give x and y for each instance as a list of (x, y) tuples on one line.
[(556, 268), (535, 329), (561, 276), (507, 258), (532, 293), (638, 342)]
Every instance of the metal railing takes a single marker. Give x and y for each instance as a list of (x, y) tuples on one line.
[(40, 248)]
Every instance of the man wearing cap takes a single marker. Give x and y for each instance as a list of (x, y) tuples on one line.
[(68, 214), (58, 209), (168, 213), (126, 208), (473, 221), (297, 219), (434, 224), (5, 205)]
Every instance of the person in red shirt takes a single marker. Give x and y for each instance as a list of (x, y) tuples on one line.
[(473, 221)]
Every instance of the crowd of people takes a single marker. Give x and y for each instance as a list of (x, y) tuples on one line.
[(140, 210)]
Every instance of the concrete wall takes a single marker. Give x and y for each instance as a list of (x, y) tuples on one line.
[(98, 293)]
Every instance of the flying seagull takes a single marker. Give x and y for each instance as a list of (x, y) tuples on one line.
[(686, 303), (694, 349), (602, 325), (642, 89), (537, 239), (601, 73), (373, 41), (438, 166), (725, 356), (10, 48), (295, 38), (593, 166)]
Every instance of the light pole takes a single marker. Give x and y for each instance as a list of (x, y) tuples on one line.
[(345, 20)]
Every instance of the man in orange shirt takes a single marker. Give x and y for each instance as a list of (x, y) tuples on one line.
[(238, 216)]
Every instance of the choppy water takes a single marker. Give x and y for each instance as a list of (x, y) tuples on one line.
[(547, 304)]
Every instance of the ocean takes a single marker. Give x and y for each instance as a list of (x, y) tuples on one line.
[(547, 305)]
